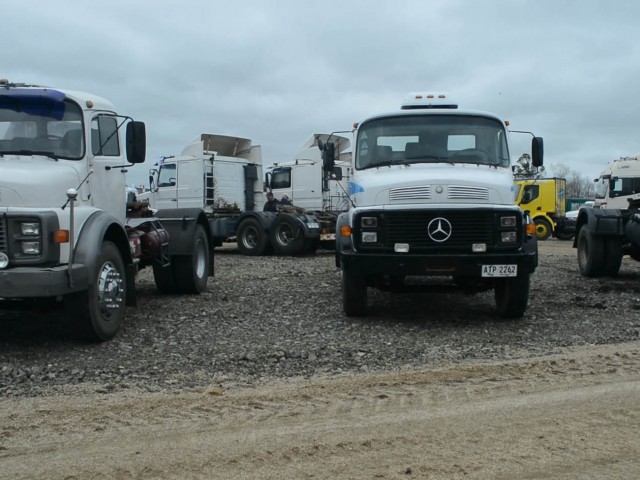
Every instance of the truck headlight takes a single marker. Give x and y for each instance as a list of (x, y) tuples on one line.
[(508, 237), (369, 222), (30, 229), (509, 221), (369, 237), (30, 248)]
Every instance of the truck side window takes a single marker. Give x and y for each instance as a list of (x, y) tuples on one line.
[(530, 193), (281, 178), (104, 136), (167, 175)]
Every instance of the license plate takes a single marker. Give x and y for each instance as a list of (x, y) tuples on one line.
[(499, 270)]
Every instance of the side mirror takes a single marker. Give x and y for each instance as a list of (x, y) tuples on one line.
[(537, 151), (329, 156), (136, 142)]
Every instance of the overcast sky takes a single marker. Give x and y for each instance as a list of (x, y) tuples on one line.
[(278, 71)]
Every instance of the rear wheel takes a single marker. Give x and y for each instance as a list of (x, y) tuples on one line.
[(612, 256), (192, 271), (287, 237), (354, 294), (98, 312), (543, 228), (164, 278), (512, 295), (591, 250), (252, 239)]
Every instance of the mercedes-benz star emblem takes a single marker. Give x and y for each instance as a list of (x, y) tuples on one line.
[(439, 229)]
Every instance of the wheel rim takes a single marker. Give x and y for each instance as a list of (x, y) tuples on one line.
[(200, 259), (541, 230), (110, 291), (250, 237), (583, 251), (285, 234)]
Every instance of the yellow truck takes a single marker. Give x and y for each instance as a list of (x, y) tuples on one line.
[(545, 199)]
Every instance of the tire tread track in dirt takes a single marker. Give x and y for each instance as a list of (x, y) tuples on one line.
[(569, 415)]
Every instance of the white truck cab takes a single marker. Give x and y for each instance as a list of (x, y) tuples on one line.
[(432, 196), (619, 183)]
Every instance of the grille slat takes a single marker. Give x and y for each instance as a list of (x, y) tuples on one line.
[(468, 193), (4, 245), (410, 193)]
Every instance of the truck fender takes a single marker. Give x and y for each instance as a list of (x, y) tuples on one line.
[(600, 221), (98, 227), (265, 218), (181, 225)]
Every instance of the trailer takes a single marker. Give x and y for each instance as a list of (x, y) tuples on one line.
[(69, 230), (224, 176)]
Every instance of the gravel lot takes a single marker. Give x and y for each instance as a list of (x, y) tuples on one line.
[(273, 317)]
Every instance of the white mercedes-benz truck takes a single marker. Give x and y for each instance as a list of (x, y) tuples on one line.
[(68, 230), (432, 206)]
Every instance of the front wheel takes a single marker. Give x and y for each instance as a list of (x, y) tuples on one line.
[(98, 312), (512, 295), (354, 294), (543, 228)]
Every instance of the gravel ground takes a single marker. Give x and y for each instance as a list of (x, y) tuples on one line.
[(273, 317)]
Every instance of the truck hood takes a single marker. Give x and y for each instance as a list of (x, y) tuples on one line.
[(432, 184), (34, 181)]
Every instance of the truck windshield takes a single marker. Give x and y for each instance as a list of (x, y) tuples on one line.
[(50, 129), (410, 139)]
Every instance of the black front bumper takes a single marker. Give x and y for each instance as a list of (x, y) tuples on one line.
[(33, 282), (457, 265)]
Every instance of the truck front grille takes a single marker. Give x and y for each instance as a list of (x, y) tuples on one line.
[(467, 227), (4, 242)]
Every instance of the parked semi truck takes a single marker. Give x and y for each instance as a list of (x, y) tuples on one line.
[(67, 231), (224, 175), (611, 228), (432, 207), (545, 199)]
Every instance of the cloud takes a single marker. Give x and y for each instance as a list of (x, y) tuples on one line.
[(278, 71)]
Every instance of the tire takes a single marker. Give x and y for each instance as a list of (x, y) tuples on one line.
[(164, 278), (543, 228), (591, 251), (511, 296), (97, 313), (612, 256), (191, 272), (564, 236), (354, 294), (286, 236), (251, 238)]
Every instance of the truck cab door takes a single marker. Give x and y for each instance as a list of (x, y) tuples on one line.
[(166, 195), (306, 185), (190, 186)]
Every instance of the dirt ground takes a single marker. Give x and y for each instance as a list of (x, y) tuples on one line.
[(574, 414)]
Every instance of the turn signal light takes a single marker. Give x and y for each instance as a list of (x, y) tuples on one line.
[(61, 236), (345, 231), (530, 228)]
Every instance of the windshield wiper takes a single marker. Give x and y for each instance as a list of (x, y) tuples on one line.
[(50, 155)]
